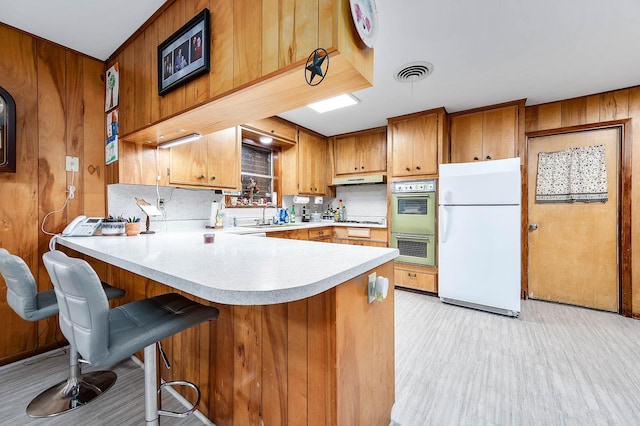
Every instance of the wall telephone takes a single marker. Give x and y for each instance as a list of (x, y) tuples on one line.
[(82, 226)]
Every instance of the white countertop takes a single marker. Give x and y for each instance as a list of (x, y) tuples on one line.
[(236, 269)]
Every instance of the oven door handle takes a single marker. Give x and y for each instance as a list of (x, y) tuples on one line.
[(413, 237), (414, 195)]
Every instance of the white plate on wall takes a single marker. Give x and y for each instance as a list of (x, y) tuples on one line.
[(365, 19)]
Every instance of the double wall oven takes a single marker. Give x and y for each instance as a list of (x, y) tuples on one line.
[(413, 221)]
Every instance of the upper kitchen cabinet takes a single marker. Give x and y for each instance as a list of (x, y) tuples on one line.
[(490, 133), (304, 165), (312, 163), (360, 153), (212, 161), (274, 127), (258, 54), (139, 164), (416, 143)]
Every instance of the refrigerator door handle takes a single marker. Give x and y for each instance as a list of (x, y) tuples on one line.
[(443, 224)]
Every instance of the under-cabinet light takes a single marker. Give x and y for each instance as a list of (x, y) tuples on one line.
[(336, 102), (266, 140), (185, 139)]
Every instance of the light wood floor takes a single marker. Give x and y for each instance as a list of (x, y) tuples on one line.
[(554, 365), (121, 405)]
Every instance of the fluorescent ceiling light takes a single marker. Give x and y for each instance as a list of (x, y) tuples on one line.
[(336, 102), (185, 139)]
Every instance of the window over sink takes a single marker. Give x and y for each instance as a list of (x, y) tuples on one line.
[(257, 173)]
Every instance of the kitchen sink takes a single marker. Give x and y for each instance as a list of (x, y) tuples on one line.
[(271, 226)]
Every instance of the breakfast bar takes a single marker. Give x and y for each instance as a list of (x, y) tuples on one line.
[(296, 341)]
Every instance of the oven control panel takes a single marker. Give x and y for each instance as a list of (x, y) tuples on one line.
[(414, 186)]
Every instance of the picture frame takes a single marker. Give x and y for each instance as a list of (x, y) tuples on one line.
[(185, 55), (7, 132)]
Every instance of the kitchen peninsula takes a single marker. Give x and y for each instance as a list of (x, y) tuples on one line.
[(296, 341)]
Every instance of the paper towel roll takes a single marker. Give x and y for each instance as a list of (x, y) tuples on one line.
[(300, 200), (213, 214)]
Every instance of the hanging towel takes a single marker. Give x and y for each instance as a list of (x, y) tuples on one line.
[(574, 174)]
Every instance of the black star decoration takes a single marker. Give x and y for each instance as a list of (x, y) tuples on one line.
[(314, 66)]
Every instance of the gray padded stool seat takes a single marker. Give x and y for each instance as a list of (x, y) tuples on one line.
[(24, 299), (104, 336)]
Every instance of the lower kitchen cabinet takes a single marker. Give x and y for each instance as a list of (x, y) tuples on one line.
[(291, 234), (416, 277)]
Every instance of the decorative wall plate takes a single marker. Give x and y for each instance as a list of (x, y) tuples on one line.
[(365, 18)]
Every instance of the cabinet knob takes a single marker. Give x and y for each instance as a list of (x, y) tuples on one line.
[(488, 157), (362, 167), (475, 158), (417, 167), (355, 168), (201, 177), (213, 178), (408, 169)]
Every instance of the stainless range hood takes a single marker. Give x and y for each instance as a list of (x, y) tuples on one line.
[(358, 180)]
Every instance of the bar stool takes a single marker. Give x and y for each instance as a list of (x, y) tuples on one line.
[(24, 299), (104, 336)]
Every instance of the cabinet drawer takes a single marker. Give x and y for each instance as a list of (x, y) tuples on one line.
[(320, 234), (415, 279)]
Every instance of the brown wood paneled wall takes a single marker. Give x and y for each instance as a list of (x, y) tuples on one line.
[(615, 106), (249, 41), (258, 51), (59, 98)]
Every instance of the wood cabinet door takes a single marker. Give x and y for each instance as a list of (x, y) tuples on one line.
[(189, 163), (373, 152), (223, 159), (346, 155), (466, 137), (415, 146), (412, 278), (500, 133), (425, 145), (402, 150), (312, 158)]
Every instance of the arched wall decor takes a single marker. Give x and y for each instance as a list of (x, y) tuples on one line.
[(7, 132)]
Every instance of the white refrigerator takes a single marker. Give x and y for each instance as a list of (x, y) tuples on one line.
[(479, 215)]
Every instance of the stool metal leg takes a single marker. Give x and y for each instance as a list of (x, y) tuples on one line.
[(150, 386), (72, 393)]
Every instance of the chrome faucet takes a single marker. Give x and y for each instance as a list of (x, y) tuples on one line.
[(264, 209)]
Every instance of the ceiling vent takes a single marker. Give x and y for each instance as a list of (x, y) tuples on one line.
[(412, 72)]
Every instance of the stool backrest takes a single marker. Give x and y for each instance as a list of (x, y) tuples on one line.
[(84, 309), (21, 286)]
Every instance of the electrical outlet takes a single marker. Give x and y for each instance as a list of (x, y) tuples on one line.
[(161, 203), (72, 164)]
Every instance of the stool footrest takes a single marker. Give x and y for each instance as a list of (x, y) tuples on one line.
[(183, 414)]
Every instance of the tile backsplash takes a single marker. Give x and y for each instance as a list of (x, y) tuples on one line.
[(185, 204)]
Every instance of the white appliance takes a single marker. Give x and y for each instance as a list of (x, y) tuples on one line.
[(479, 216)]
